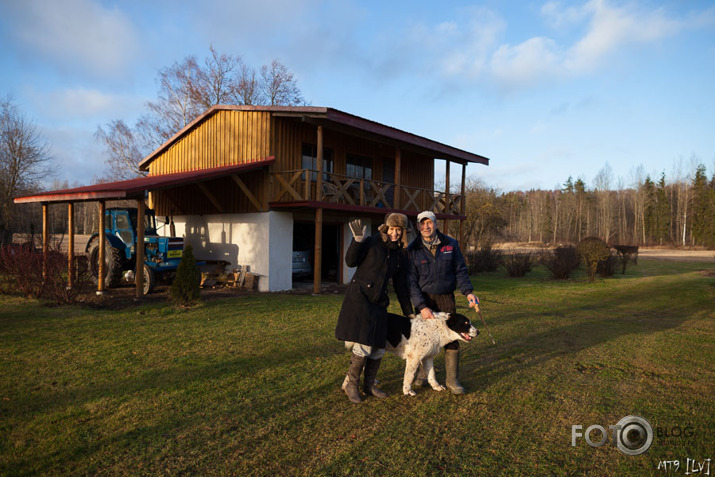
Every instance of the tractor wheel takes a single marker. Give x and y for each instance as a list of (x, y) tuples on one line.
[(149, 279), (112, 264)]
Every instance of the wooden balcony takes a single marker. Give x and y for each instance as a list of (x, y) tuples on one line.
[(300, 187)]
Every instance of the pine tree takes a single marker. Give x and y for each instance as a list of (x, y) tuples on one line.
[(185, 289)]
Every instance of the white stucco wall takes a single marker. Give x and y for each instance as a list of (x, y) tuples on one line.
[(263, 241)]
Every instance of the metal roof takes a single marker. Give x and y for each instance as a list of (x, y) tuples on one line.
[(337, 120), (136, 188)]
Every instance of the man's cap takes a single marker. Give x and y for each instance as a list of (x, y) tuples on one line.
[(426, 215)]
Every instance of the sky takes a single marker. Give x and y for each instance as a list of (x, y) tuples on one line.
[(546, 90)]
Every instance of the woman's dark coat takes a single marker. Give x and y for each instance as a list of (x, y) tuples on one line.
[(363, 316)]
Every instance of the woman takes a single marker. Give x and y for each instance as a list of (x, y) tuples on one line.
[(362, 323)]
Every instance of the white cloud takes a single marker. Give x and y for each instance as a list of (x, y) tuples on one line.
[(535, 59), (75, 34), (606, 30), (84, 104)]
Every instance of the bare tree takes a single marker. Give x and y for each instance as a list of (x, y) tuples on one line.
[(186, 90), (248, 90), (24, 161), (602, 183), (279, 85), (123, 150)]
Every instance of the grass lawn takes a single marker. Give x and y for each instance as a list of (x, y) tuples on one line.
[(251, 385)]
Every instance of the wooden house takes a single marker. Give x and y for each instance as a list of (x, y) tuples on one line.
[(258, 185)]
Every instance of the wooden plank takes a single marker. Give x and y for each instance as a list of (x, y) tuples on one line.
[(210, 196), (288, 186), (248, 193)]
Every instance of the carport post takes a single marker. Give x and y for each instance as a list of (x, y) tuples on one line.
[(139, 273), (45, 241), (70, 251), (102, 251)]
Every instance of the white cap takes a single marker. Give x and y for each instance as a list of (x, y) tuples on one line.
[(426, 215)]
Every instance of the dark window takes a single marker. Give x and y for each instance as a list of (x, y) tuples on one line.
[(309, 160), (359, 167)]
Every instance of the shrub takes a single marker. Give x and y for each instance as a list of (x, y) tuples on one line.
[(21, 271), (561, 262), (21, 268), (607, 268), (56, 287), (593, 250), (627, 253), (185, 290), (518, 264), (485, 259)]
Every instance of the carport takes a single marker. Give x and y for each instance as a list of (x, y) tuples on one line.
[(133, 189)]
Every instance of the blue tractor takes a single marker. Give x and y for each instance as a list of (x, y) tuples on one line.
[(162, 254)]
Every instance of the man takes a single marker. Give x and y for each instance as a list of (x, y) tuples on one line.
[(437, 270)]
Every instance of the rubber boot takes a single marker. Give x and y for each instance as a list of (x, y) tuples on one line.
[(451, 365), (352, 389), (421, 379), (371, 367)]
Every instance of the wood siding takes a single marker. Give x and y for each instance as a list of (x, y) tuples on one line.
[(234, 137), (225, 138)]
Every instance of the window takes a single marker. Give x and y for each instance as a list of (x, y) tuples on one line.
[(309, 160), (359, 167)]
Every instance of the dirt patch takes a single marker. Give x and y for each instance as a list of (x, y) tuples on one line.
[(680, 255)]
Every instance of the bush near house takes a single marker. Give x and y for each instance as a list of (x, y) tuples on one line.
[(185, 290)]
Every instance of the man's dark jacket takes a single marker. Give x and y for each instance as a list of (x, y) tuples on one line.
[(440, 274)]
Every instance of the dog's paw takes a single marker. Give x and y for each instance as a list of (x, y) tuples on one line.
[(439, 387), (410, 393)]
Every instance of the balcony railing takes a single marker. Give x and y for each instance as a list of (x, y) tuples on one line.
[(301, 186)]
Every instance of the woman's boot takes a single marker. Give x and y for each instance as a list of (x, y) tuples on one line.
[(371, 367), (352, 389)]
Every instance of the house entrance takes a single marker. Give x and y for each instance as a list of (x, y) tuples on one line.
[(304, 248)]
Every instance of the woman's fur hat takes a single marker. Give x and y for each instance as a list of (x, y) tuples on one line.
[(395, 219)]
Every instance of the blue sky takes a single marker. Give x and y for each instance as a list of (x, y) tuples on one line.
[(545, 89)]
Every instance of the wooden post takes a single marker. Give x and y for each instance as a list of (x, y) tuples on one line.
[(102, 251), (447, 201), (70, 243), (319, 181), (398, 181), (139, 273), (463, 205), (45, 241), (318, 252)]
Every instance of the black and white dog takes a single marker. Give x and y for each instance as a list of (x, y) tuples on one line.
[(419, 340)]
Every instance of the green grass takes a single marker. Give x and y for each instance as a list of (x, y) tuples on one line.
[(251, 385)]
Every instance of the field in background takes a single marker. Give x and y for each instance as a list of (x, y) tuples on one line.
[(251, 385)]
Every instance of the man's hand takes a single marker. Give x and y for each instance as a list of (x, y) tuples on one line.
[(473, 301), (358, 230), (427, 313)]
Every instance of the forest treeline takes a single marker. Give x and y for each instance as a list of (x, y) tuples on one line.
[(664, 212)]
